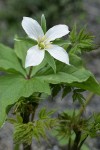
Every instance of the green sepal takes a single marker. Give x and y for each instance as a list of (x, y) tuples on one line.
[(50, 60), (43, 23)]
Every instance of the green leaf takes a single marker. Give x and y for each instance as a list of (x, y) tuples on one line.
[(43, 23), (56, 89), (61, 42), (80, 78), (90, 84), (19, 118), (44, 114), (66, 90), (38, 68), (9, 60), (13, 87), (69, 76), (28, 40), (73, 34), (76, 61), (50, 60), (81, 41), (79, 97), (85, 147), (21, 47)]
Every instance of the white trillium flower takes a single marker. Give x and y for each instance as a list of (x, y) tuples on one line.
[(36, 54)]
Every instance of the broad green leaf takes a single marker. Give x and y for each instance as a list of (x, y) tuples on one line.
[(38, 68), (13, 87), (91, 84), (80, 78), (85, 147), (21, 47), (9, 60), (76, 61), (69, 76), (43, 23), (50, 60), (28, 40)]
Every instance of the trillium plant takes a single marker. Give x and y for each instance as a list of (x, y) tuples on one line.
[(41, 65)]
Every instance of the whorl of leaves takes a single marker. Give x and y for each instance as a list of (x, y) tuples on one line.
[(81, 41), (25, 132)]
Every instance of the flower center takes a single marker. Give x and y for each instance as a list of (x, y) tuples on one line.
[(41, 45)]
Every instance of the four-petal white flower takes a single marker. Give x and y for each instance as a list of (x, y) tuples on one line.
[(36, 54)]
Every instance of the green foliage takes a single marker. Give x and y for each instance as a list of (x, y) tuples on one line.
[(50, 61), (13, 11), (23, 133), (71, 75), (68, 74), (78, 96), (64, 130), (43, 23), (43, 114), (21, 46), (88, 85), (12, 87), (9, 61), (81, 41), (85, 147), (22, 88), (66, 90), (76, 60), (55, 89), (92, 127), (71, 127), (36, 129)]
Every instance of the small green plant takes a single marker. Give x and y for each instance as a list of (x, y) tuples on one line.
[(40, 65)]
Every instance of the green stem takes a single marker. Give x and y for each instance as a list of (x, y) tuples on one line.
[(30, 71), (82, 143), (25, 117), (26, 147), (69, 143), (88, 99), (76, 141), (30, 110), (76, 145)]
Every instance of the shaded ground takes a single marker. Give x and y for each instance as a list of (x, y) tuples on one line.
[(93, 63)]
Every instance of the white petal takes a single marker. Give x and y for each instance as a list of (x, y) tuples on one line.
[(57, 32), (59, 53), (34, 56), (32, 28)]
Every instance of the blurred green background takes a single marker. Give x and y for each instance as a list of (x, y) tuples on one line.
[(56, 11)]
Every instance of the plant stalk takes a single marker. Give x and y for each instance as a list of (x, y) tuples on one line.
[(69, 144), (77, 145), (76, 141), (30, 110), (30, 71), (25, 117), (88, 99)]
